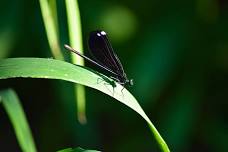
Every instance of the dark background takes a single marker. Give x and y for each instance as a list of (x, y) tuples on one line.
[(176, 52)]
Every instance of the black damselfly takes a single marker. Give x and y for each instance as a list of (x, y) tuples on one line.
[(104, 56)]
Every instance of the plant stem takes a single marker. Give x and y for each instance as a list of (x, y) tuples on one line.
[(162, 144), (17, 116), (51, 29), (75, 36)]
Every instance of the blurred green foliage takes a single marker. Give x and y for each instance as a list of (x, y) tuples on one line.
[(176, 52)]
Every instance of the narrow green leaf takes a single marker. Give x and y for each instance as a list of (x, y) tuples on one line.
[(55, 69), (76, 150), (75, 37), (17, 117), (51, 28)]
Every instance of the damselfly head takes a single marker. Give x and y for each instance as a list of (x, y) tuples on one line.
[(129, 83)]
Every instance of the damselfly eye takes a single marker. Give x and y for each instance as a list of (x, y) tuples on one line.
[(103, 33), (131, 82)]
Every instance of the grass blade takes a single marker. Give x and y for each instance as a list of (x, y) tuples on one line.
[(76, 150), (17, 117), (51, 28), (75, 37), (56, 69)]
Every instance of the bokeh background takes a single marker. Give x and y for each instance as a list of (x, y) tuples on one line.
[(176, 52)]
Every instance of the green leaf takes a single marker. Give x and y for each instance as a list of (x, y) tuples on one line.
[(55, 69), (51, 28), (75, 38), (17, 117), (77, 150)]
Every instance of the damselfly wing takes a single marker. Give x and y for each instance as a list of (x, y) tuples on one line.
[(104, 56)]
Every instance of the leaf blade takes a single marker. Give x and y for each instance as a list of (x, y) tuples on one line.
[(17, 117), (56, 69), (78, 149)]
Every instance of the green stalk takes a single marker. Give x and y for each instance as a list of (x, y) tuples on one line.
[(162, 144), (53, 8), (75, 36), (18, 119), (50, 23)]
